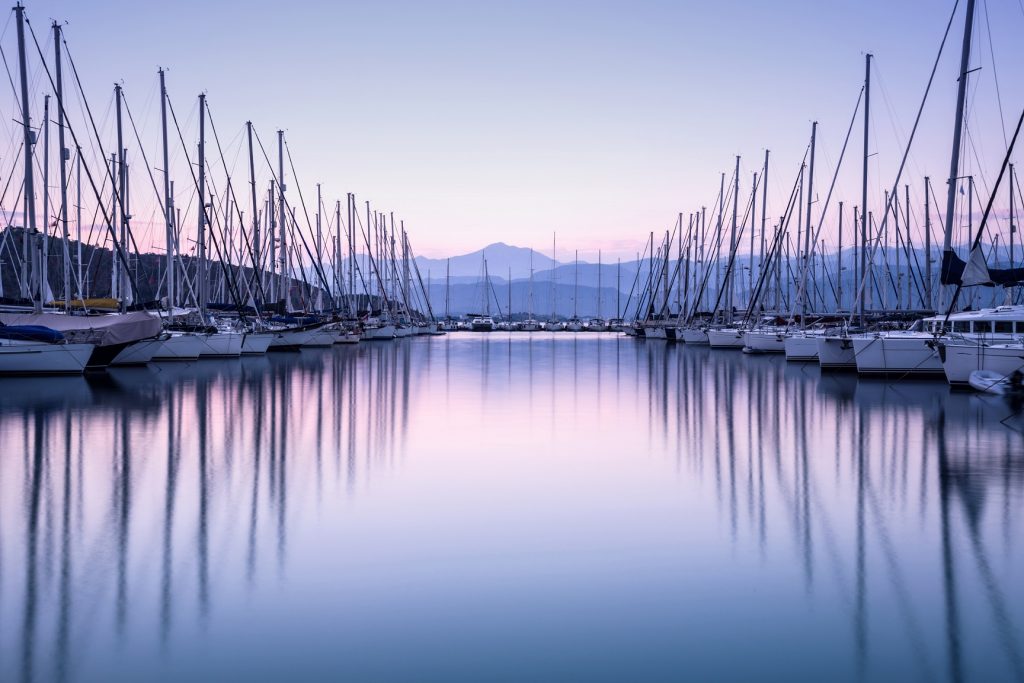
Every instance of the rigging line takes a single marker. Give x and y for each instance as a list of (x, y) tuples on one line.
[(142, 150), (122, 253), (230, 189), (906, 153), (808, 258), (995, 74), (988, 209)]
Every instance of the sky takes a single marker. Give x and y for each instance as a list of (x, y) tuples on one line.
[(478, 122)]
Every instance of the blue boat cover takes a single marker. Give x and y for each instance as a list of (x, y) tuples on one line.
[(30, 333)]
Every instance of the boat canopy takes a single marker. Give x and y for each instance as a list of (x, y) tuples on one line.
[(36, 333)]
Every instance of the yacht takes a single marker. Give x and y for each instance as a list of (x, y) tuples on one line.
[(726, 338), (37, 350), (483, 323), (915, 351)]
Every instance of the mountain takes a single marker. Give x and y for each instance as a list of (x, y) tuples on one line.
[(500, 257)]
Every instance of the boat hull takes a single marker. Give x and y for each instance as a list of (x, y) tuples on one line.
[(256, 344), (897, 355), (44, 359), (836, 353), (764, 342), (960, 360), (180, 347), (726, 338), (221, 345), (137, 353)]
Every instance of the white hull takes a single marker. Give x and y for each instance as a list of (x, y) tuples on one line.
[(960, 360), (345, 337), (530, 327), (321, 338), (801, 348), (290, 339), (765, 342), (139, 353), (573, 327), (179, 347), (256, 344), (221, 345), (692, 335), (377, 333), (40, 358), (402, 332), (836, 353), (896, 353), (725, 338), (655, 333)]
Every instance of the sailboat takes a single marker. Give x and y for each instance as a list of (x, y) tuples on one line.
[(574, 324), (530, 324), (483, 322), (598, 323)]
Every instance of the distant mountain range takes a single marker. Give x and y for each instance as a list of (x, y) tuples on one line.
[(500, 257)]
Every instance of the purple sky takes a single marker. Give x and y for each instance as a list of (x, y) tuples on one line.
[(481, 122)]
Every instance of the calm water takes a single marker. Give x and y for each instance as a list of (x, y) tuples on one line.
[(481, 508)]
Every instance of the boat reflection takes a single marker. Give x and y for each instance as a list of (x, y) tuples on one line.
[(134, 506)]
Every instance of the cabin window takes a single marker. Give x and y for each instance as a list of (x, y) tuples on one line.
[(961, 325), (1004, 327), (982, 326)]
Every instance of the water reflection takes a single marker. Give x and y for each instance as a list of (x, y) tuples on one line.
[(420, 509)]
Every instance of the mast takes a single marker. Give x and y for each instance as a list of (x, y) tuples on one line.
[(282, 223), (64, 156), (44, 237), (29, 230), (510, 294), (731, 275), (1013, 228), (864, 185), (575, 282), (272, 242), (78, 221), (168, 207), (954, 163), (929, 304), (447, 287), (554, 277), (529, 298), (839, 265), (599, 280), (764, 210), (618, 288), (255, 211), (201, 162), (807, 229)]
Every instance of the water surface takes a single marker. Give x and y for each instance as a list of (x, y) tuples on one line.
[(508, 507)]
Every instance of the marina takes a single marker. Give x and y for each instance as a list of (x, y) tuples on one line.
[(187, 519), (518, 342)]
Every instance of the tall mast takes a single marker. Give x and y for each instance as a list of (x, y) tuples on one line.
[(529, 299), (78, 222), (256, 261), (447, 285), (618, 285), (575, 282), (44, 238), (168, 206), (732, 238), (954, 163), (554, 277), (839, 264), (864, 186), (29, 230), (271, 241), (64, 156), (352, 254), (764, 210), (808, 242), (282, 223), (928, 303), (599, 279), (201, 162)]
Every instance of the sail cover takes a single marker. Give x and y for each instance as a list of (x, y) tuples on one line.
[(102, 330), (974, 272)]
